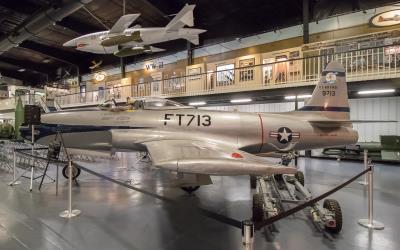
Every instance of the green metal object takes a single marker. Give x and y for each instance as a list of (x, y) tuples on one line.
[(390, 147), (129, 52), (19, 117), (121, 39), (6, 131)]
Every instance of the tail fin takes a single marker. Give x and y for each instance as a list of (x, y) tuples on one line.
[(330, 96), (184, 17)]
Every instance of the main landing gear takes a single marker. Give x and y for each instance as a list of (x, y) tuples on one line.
[(274, 190), (75, 172)]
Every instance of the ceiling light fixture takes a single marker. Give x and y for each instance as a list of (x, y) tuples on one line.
[(292, 97), (241, 100), (197, 103), (376, 91)]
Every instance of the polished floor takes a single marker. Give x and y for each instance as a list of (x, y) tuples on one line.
[(114, 217)]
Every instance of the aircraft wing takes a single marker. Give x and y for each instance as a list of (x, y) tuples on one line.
[(123, 23), (197, 157), (330, 123)]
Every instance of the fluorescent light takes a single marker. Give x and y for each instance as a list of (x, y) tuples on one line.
[(376, 91), (197, 103), (292, 97), (241, 100), (21, 70), (303, 96)]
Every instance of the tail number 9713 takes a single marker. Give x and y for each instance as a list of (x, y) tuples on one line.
[(188, 120)]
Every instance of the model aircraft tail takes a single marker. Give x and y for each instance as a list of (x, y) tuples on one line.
[(184, 17), (330, 96)]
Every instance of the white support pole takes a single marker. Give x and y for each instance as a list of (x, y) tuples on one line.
[(370, 222), (14, 181), (367, 162), (70, 213), (33, 159), (248, 234)]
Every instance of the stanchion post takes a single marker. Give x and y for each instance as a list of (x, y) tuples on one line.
[(14, 181), (248, 234), (370, 222), (33, 161), (70, 213), (367, 162)]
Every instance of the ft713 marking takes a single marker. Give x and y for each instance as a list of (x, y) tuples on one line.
[(188, 120)]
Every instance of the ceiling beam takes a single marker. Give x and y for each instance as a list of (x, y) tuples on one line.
[(21, 6), (29, 65), (25, 77), (78, 26), (54, 53)]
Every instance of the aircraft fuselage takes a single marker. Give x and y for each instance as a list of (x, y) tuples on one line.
[(250, 132)]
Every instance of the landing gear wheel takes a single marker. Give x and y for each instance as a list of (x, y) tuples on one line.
[(75, 172), (258, 209), (334, 207), (299, 177), (253, 182), (190, 189)]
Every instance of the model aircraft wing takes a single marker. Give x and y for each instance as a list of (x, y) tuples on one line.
[(196, 157), (123, 23), (184, 17)]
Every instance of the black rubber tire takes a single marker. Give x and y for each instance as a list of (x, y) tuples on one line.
[(75, 172), (333, 206), (258, 210), (299, 175), (190, 189), (253, 182)]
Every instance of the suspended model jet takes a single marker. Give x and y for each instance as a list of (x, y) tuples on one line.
[(203, 142), (123, 41)]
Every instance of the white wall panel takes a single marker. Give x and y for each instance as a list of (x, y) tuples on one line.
[(385, 108)]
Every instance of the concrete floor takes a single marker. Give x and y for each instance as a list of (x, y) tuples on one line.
[(114, 217)]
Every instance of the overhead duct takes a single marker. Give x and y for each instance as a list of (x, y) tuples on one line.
[(41, 21)]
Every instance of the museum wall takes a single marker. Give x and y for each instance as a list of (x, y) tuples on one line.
[(178, 68), (384, 108)]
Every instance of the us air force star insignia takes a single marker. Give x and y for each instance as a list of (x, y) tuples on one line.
[(284, 135), (330, 77)]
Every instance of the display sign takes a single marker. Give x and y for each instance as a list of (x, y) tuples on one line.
[(392, 50), (153, 65), (100, 76), (387, 18)]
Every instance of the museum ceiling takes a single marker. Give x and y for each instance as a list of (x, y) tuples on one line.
[(43, 57)]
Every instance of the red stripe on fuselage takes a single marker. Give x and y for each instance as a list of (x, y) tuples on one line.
[(262, 132)]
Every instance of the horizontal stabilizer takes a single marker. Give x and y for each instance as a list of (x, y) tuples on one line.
[(194, 40), (184, 17), (123, 23)]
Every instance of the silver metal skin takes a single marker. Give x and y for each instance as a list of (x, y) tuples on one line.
[(195, 141), (124, 41)]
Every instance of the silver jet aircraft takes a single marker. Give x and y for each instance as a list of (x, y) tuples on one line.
[(203, 142), (124, 41)]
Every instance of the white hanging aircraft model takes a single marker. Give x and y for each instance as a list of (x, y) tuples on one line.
[(123, 41)]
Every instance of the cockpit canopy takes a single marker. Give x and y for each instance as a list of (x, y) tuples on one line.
[(143, 103)]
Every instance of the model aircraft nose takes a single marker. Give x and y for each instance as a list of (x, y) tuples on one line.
[(70, 43)]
